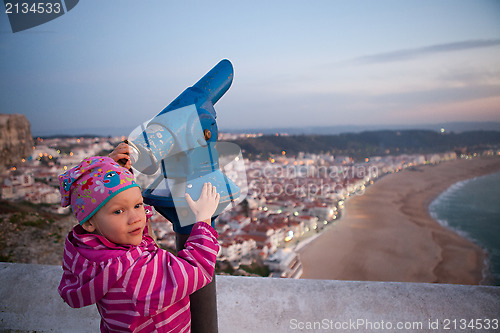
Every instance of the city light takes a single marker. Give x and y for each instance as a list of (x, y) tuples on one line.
[(276, 179)]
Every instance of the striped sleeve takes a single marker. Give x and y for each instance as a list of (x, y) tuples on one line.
[(159, 279), (84, 282)]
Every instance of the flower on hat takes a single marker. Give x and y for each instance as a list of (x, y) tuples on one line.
[(87, 187), (99, 186)]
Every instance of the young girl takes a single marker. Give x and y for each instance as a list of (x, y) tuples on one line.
[(111, 261)]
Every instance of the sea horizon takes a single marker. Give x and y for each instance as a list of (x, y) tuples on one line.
[(114, 131)]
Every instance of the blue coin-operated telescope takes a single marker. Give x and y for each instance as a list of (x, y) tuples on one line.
[(179, 145)]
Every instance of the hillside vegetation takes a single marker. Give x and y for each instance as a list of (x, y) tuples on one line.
[(374, 143)]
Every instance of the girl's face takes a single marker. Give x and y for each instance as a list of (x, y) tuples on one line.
[(122, 219)]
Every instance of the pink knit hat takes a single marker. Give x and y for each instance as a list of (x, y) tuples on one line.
[(91, 184)]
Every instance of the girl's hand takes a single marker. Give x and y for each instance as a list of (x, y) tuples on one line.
[(206, 205), (121, 155)]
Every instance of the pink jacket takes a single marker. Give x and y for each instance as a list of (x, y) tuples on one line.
[(137, 288)]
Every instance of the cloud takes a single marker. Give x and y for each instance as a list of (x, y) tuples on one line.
[(470, 75), (407, 54), (440, 96)]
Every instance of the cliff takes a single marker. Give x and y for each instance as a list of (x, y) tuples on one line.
[(16, 142)]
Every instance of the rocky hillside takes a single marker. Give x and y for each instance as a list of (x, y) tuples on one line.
[(16, 142), (31, 235)]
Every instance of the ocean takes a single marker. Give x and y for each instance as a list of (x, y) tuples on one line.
[(472, 208)]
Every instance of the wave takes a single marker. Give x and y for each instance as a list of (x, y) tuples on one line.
[(460, 232), (487, 276), (450, 192), (448, 208)]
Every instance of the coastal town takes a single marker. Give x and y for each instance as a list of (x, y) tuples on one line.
[(286, 201)]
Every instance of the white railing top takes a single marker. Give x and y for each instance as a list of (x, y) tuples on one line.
[(29, 302)]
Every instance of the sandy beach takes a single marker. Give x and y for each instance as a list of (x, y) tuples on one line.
[(387, 234)]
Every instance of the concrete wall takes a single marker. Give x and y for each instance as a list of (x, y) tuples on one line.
[(29, 302)]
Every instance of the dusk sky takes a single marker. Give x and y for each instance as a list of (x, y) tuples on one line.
[(113, 64)]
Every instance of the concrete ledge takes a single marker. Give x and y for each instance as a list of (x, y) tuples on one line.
[(29, 302)]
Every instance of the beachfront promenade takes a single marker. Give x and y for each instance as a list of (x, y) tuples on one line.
[(29, 302)]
